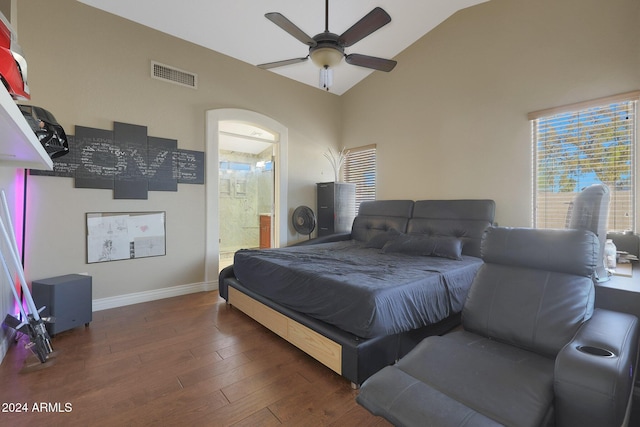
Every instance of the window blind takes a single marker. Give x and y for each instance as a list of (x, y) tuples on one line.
[(574, 148), (360, 169)]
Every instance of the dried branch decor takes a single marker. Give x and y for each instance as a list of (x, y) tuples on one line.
[(337, 160)]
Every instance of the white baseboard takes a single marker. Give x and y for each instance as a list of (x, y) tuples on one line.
[(156, 294)]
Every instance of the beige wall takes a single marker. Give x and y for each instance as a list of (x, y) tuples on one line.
[(450, 121), (91, 68)]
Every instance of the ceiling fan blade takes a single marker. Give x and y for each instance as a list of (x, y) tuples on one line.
[(290, 27), (282, 63), (371, 22), (379, 64)]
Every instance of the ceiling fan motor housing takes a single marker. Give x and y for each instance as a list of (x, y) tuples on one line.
[(328, 51)]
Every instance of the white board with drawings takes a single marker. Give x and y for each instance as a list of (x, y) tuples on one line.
[(113, 236)]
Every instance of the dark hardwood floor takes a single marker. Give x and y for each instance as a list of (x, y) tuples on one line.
[(190, 360)]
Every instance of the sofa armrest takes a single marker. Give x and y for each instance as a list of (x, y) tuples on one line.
[(338, 237), (595, 372)]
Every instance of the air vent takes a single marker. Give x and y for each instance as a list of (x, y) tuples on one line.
[(173, 75)]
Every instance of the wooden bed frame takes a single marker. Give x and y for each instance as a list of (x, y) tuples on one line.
[(317, 346), (353, 357), (350, 356)]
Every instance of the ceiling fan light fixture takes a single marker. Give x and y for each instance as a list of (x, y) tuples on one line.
[(326, 56)]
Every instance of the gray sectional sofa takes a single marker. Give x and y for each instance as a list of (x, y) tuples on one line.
[(533, 351)]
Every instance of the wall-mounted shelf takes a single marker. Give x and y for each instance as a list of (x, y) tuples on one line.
[(19, 146)]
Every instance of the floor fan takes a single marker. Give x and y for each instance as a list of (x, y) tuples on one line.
[(304, 220)]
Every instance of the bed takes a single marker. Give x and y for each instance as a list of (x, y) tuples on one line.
[(359, 301)]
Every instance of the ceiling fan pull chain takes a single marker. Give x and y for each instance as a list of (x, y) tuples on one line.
[(326, 77)]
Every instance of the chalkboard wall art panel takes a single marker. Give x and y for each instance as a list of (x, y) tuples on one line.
[(132, 143), (190, 167), (131, 189), (127, 161), (64, 166), (131, 177), (162, 164), (99, 158)]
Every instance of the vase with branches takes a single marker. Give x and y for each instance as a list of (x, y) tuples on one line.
[(336, 159)]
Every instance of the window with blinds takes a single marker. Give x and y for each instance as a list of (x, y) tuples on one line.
[(360, 169), (580, 145)]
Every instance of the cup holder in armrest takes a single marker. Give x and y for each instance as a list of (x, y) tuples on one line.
[(595, 351)]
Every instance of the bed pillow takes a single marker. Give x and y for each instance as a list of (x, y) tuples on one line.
[(439, 246), (379, 240)]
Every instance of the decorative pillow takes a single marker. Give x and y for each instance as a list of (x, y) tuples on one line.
[(439, 246), (379, 240)]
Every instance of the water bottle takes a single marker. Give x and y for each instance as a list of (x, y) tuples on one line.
[(610, 254)]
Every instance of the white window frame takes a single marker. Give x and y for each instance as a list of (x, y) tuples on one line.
[(617, 205), (359, 167)]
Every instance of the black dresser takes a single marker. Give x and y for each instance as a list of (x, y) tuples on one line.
[(336, 207)]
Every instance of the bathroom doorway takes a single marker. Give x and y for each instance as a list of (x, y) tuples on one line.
[(246, 185), (237, 125)]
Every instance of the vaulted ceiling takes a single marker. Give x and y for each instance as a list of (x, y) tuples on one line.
[(239, 29)]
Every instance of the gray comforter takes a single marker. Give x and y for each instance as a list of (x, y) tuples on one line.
[(359, 289)]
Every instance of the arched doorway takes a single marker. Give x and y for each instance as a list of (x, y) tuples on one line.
[(215, 120)]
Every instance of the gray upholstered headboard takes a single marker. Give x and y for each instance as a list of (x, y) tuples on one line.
[(379, 216), (467, 219)]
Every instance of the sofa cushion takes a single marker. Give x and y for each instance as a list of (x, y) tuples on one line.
[(379, 240), (526, 276), (379, 216), (399, 208), (439, 246), (366, 227), (495, 384), (405, 401), (465, 219), (564, 251)]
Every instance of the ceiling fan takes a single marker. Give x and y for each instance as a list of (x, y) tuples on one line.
[(326, 49)]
